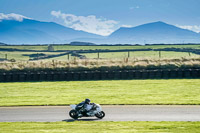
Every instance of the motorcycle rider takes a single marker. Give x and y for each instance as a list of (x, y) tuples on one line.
[(83, 105)]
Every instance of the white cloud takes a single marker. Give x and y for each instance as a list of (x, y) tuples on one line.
[(134, 7), (127, 26), (195, 28), (12, 16), (89, 23)]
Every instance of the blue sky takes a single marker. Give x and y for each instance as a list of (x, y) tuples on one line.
[(105, 16)]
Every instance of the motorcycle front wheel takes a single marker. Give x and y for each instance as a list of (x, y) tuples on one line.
[(73, 114), (100, 115)]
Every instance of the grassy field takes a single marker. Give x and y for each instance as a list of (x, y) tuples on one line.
[(19, 56), (141, 54), (175, 91), (24, 56), (98, 126), (62, 58), (31, 47), (70, 47)]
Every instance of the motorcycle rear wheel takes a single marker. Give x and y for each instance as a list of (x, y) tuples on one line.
[(73, 114), (100, 115)]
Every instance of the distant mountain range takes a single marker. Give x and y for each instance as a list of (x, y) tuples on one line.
[(35, 32), (157, 32), (2, 43)]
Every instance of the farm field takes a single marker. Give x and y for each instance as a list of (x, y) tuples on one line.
[(26, 47), (71, 47), (164, 92), (61, 58), (142, 54), (24, 56), (99, 126)]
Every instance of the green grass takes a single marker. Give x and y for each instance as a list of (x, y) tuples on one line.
[(21, 56), (69, 47), (32, 47), (174, 91), (62, 58), (141, 54), (99, 126)]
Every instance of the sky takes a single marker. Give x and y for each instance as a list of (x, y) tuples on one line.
[(105, 16)]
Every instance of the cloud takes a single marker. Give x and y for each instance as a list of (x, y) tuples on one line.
[(91, 23), (127, 26), (12, 16), (134, 7), (195, 28)]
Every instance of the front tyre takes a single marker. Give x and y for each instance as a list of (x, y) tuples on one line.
[(73, 114), (100, 115)]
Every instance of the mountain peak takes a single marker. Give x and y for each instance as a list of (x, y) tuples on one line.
[(32, 32), (159, 22), (155, 32)]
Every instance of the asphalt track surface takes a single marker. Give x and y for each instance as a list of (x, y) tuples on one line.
[(113, 113)]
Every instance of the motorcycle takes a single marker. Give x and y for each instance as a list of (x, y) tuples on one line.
[(91, 111)]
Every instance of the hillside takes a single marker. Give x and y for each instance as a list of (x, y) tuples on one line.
[(32, 32), (157, 32), (2, 43)]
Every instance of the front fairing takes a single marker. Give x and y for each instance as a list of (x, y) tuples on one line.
[(98, 108), (73, 106)]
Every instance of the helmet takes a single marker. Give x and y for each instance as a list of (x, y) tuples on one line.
[(87, 100)]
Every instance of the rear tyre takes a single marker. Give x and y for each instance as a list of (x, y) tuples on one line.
[(100, 115), (73, 114)]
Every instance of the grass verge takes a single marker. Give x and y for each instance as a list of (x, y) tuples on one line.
[(93, 127), (173, 91), (74, 64)]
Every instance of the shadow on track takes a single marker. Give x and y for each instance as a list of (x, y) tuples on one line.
[(72, 120)]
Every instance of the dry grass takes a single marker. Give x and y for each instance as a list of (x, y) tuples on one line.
[(87, 64)]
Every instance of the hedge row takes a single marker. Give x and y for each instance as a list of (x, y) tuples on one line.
[(98, 75)]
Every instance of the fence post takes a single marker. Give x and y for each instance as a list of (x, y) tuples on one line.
[(128, 54), (159, 54), (68, 56), (37, 56)]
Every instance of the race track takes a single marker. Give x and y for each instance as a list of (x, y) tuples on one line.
[(113, 113)]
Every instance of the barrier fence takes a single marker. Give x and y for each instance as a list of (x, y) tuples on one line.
[(97, 75)]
